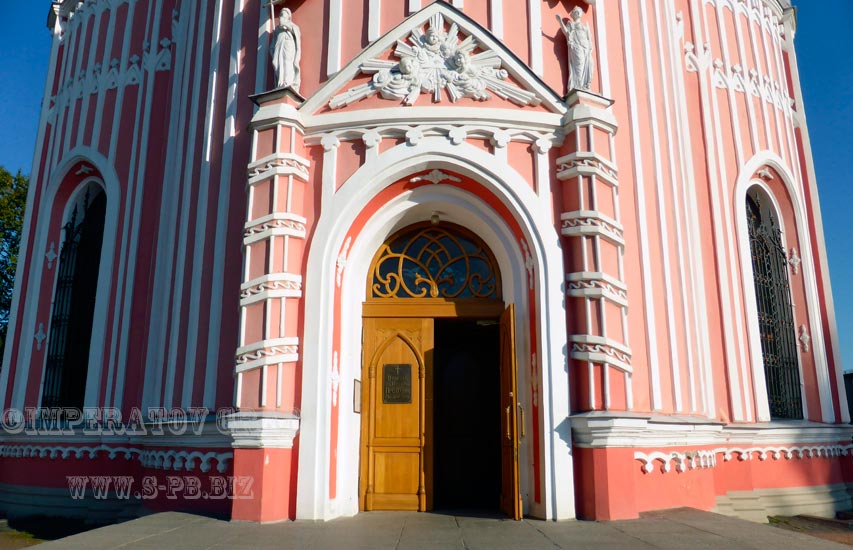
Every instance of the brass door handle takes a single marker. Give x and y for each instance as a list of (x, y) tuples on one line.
[(521, 410), (508, 422)]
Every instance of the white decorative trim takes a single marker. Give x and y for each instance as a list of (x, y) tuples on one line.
[(686, 460), (804, 338), (165, 459), (341, 262), (40, 337), (597, 349), (335, 379), (691, 460), (606, 429), (587, 284), (262, 429), (276, 285), (584, 163), (591, 223), (267, 352), (284, 164), (435, 176), (51, 255), (275, 224), (794, 261)]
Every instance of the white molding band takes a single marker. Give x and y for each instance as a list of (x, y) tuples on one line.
[(263, 429)]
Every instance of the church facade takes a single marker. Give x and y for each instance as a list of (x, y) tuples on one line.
[(313, 258)]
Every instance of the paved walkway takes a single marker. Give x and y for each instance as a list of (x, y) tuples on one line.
[(680, 528)]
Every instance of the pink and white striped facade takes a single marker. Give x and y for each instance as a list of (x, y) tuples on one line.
[(241, 223)]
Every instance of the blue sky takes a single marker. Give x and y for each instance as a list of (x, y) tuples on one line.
[(824, 45)]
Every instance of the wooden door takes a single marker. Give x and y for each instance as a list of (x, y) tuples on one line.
[(510, 491), (396, 428)]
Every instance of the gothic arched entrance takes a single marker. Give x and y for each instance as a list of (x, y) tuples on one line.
[(440, 413)]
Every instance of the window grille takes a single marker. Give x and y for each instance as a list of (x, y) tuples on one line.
[(434, 261), (74, 305), (775, 315)]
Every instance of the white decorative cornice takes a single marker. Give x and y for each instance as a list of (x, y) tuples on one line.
[(707, 458), (158, 459), (267, 352), (262, 429), (591, 223), (611, 429), (276, 285), (277, 224), (597, 349), (587, 284)]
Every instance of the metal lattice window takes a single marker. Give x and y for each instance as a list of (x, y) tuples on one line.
[(775, 314), (74, 305), (434, 261)]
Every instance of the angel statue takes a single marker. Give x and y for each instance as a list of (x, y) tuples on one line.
[(580, 50), (286, 50)]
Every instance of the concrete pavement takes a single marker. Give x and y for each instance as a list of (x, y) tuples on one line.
[(672, 529)]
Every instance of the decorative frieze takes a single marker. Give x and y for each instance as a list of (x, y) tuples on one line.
[(586, 164), (276, 285), (597, 285), (278, 164), (275, 224), (267, 352), (591, 223), (698, 459), (158, 459), (598, 349)]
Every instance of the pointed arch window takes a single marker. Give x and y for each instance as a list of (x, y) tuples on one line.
[(775, 314), (434, 261), (74, 302)]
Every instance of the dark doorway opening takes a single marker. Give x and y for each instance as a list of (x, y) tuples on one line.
[(467, 453)]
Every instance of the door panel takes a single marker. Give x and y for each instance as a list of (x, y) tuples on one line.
[(396, 460), (510, 491)]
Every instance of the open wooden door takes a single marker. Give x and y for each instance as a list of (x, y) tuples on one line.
[(510, 491), (396, 427)]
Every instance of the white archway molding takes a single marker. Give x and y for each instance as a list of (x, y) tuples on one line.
[(109, 181), (744, 183), (535, 220)]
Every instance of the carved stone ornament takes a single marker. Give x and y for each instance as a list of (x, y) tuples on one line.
[(434, 60), (580, 50)]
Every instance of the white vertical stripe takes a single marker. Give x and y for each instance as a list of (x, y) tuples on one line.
[(90, 63), (737, 289), (193, 318), (706, 89), (535, 34), (663, 225), (458, 4), (187, 182), (135, 187), (374, 12), (639, 183), (675, 173), (223, 204), (333, 60), (80, 48), (164, 259), (496, 13), (601, 46), (123, 63), (264, 30), (105, 64), (414, 5), (750, 107)]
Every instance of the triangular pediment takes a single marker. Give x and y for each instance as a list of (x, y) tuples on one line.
[(437, 56)]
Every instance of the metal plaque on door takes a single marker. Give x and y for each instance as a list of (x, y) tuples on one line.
[(396, 383)]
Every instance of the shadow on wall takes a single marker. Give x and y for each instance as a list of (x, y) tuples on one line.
[(848, 385)]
